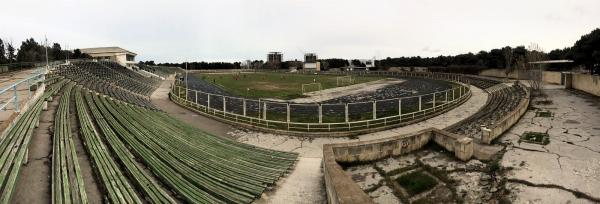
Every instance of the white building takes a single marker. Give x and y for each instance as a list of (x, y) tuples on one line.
[(311, 63), (116, 54)]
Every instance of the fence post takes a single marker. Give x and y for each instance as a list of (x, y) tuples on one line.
[(434, 101), (460, 91), (374, 110), (400, 108), (320, 113), (420, 103), (446, 96), (264, 110), (16, 98), (224, 105), (453, 94), (244, 108), (208, 101), (28, 89), (196, 98), (288, 114), (346, 112)]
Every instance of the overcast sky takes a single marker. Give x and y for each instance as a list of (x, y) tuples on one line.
[(228, 30)]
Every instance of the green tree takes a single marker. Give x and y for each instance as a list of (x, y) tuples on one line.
[(10, 53), (56, 52), (3, 59), (30, 51), (585, 47)]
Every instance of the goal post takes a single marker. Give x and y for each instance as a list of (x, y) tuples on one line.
[(311, 87), (344, 80)]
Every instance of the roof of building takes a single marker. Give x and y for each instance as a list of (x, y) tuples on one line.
[(97, 50), (551, 62)]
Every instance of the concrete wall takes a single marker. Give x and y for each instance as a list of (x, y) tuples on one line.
[(500, 73), (587, 83), (495, 130), (551, 77), (342, 189)]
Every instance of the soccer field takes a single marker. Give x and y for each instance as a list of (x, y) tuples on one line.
[(273, 85)]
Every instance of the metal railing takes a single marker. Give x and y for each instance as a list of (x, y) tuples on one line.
[(367, 115), (36, 77)]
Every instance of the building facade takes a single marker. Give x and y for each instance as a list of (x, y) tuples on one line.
[(311, 63), (116, 54)]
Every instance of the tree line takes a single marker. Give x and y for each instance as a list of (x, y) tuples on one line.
[(32, 51), (585, 53)]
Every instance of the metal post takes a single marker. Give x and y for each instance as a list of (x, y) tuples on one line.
[(16, 99), (244, 109), (419, 103), (224, 105), (320, 113), (346, 112), (453, 94), (434, 101), (446, 96), (196, 98), (460, 91), (288, 113), (264, 110), (374, 110), (400, 107), (28, 89), (208, 100)]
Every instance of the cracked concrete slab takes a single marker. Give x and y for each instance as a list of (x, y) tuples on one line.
[(572, 158)]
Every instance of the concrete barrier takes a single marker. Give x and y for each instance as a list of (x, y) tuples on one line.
[(551, 77), (342, 189), (587, 83), (501, 73), (493, 131)]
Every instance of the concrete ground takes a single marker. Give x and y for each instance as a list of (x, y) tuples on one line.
[(567, 170), (305, 183), (6, 80)]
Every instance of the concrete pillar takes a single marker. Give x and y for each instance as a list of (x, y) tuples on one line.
[(486, 135), (464, 148), (45, 105), (320, 113)]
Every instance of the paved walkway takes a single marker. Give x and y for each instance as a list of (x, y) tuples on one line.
[(569, 164), (305, 183)]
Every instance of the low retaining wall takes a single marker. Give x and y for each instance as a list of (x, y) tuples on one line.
[(551, 77), (495, 130), (501, 73), (342, 189), (587, 83)]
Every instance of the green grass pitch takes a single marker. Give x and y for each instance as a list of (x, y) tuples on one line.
[(272, 85)]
